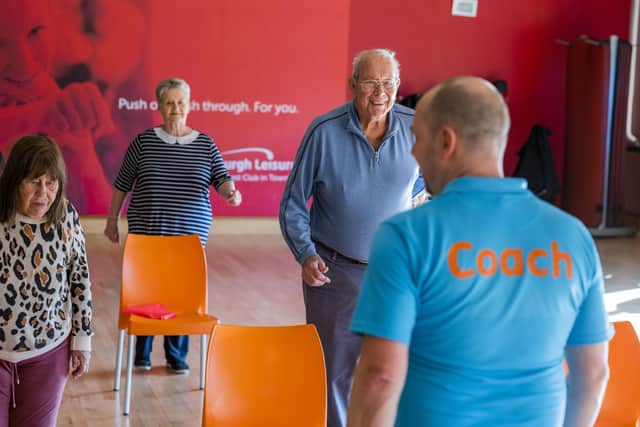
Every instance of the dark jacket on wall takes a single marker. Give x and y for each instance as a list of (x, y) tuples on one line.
[(536, 164)]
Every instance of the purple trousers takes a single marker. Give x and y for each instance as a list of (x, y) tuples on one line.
[(31, 390)]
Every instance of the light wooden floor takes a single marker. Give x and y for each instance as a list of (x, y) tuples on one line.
[(253, 280)]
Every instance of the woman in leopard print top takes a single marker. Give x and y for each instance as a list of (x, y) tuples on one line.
[(45, 292)]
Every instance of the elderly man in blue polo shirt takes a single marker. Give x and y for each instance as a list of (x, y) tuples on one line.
[(355, 162), (471, 302)]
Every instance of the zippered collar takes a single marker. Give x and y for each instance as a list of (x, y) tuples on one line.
[(353, 124)]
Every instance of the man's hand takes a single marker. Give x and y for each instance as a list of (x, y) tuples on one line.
[(79, 363), (313, 271)]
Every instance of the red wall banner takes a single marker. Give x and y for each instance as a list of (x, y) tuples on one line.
[(85, 73), (509, 40)]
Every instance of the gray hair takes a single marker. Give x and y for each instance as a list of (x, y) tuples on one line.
[(172, 83), (364, 55), (477, 115)]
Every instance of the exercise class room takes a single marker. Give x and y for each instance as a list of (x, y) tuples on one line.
[(319, 213)]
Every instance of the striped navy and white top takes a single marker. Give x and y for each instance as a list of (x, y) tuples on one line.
[(170, 178)]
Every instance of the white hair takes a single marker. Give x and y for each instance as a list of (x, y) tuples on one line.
[(366, 54)]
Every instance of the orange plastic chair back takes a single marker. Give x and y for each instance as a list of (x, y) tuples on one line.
[(163, 270), (265, 376), (621, 405)]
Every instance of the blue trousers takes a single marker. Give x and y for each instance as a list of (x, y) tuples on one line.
[(330, 308), (176, 348)]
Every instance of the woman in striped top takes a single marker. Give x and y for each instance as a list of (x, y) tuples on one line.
[(169, 170)]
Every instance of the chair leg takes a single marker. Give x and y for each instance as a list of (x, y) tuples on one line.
[(203, 359), (127, 385), (116, 379)]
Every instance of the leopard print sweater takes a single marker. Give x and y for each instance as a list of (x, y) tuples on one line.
[(45, 291)]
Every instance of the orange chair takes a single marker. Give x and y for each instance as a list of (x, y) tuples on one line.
[(168, 270), (265, 376), (621, 405)]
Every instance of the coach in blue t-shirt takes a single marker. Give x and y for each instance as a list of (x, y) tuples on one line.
[(471, 302)]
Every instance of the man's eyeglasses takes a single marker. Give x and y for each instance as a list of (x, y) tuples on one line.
[(371, 85)]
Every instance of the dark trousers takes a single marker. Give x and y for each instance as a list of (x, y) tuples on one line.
[(176, 348), (329, 308), (31, 390)]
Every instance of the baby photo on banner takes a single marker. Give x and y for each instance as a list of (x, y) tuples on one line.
[(84, 73)]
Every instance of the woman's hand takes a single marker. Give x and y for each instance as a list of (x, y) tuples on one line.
[(111, 230), (234, 198), (79, 363), (230, 193)]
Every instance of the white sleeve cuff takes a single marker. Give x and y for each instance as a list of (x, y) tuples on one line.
[(81, 343)]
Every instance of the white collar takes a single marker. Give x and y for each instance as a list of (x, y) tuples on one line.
[(172, 139), (28, 220)]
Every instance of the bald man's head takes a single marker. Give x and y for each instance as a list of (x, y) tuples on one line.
[(461, 129), (472, 107)]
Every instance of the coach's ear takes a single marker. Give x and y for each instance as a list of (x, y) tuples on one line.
[(449, 142)]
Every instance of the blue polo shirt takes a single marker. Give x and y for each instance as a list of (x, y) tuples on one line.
[(486, 284)]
